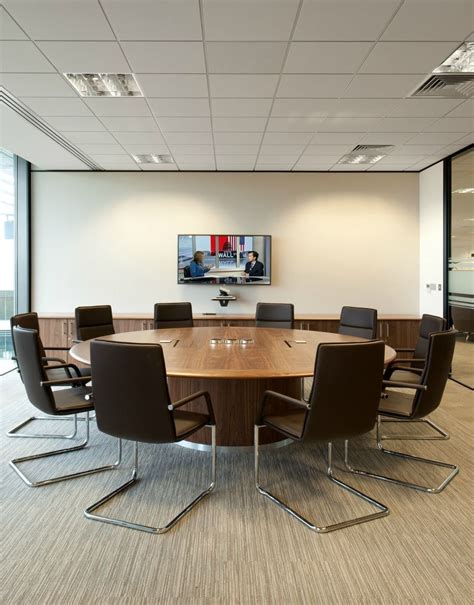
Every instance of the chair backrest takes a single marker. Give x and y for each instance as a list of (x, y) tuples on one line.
[(131, 395), (436, 372), (29, 321), (358, 321), (94, 322), (275, 315), (173, 315), (429, 324), (187, 271), (346, 390), (28, 352)]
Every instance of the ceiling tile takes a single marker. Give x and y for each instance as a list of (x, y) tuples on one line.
[(317, 86), (85, 57), (349, 124), (184, 124), (46, 106), (386, 138), (419, 108), (141, 148), (380, 86), (250, 85), (402, 124), (423, 164), (287, 138), (336, 138), (238, 138), (385, 168), (96, 149), (294, 124), (59, 20), (116, 159), (406, 57), (268, 150), (9, 30), (180, 107), (192, 149), (157, 167), (223, 150), (245, 57), (139, 138), (396, 159), (87, 137), (241, 107), (350, 167), (344, 19), (465, 110), (313, 150), (233, 124), (326, 57), (71, 124), (362, 108), (114, 165), (193, 159), (452, 125), (173, 85), (156, 20), (277, 167), (255, 20), (275, 159), (165, 57), (235, 163), (131, 124), (36, 85), (189, 138), (185, 166), (118, 107), (302, 107), (304, 167), (237, 159), (436, 20), (416, 149), (19, 56), (435, 138)]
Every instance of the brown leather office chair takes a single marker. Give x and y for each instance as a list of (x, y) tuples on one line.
[(358, 321), (425, 397), (411, 370), (93, 322), (173, 315), (65, 402), (343, 404), (135, 404), (30, 321), (275, 315)]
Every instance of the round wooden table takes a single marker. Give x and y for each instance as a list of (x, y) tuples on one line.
[(236, 365)]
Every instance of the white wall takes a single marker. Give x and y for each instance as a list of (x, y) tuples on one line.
[(431, 239), (337, 238)]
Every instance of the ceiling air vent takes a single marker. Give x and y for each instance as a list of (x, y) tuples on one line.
[(366, 154), (375, 149), (152, 158), (454, 86)]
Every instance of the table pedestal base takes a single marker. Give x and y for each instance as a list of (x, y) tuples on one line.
[(235, 404)]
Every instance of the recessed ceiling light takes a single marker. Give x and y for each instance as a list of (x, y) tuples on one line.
[(464, 190), (152, 158), (461, 61), (105, 85)]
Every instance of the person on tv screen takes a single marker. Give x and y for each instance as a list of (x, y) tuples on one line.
[(254, 267), (197, 266)]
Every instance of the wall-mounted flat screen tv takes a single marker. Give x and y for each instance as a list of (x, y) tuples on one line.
[(224, 259)]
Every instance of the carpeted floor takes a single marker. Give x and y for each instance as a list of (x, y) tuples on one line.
[(236, 546)]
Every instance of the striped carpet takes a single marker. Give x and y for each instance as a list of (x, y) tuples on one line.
[(237, 547)]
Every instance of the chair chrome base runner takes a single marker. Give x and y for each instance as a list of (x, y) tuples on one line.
[(422, 488), (232, 449), (442, 434), (15, 462), (13, 432), (89, 512), (382, 512)]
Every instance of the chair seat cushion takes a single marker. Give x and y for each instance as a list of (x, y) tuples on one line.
[(396, 403), (406, 376), (188, 422), (71, 400), (291, 423)]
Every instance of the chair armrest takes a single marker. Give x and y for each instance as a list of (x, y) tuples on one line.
[(404, 385), (56, 348), (58, 359), (411, 360), (76, 341), (404, 350), (414, 370), (280, 397), (185, 400), (67, 367), (65, 381)]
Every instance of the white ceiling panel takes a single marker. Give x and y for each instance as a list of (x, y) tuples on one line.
[(131, 124), (223, 108), (362, 108), (47, 106), (416, 150), (85, 57), (108, 158), (72, 123), (193, 159), (204, 166), (274, 167), (326, 57), (250, 85), (189, 138), (248, 19), (423, 164), (312, 166), (435, 138), (158, 167), (94, 149), (294, 124), (235, 162), (233, 124), (421, 108), (380, 86), (431, 20), (154, 20), (336, 138), (386, 168), (349, 124), (139, 138), (287, 150), (238, 138), (317, 86), (60, 20), (133, 107), (394, 160), (402, 124), (19, 56), (452, 125), (386, 138), (36, 85), (245, 57), (180, 150), (173, 85), (277, 159), (234, 150), (287, 138), (344, 19), (130, 165), (87, 137), (165, 57), (9, 30), (406, 57), (351, 167), (313, 150), (302, 107), (180, 107), (184, 124), (465, 110), (141, 148)]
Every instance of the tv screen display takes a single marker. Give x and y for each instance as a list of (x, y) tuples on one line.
[(224, 259)]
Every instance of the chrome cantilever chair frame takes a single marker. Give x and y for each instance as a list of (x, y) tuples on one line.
[(89, 512), (383, 510)]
